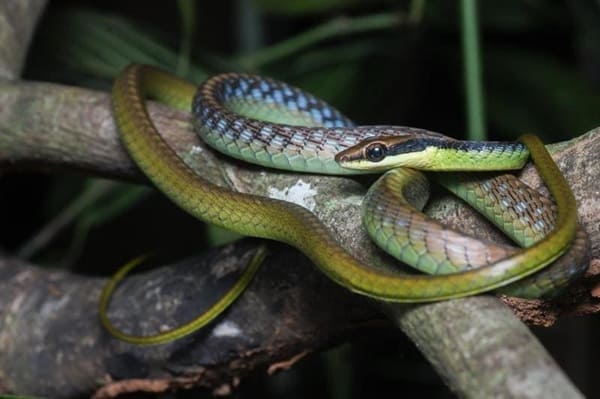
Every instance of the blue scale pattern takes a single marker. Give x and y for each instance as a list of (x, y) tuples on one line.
[(251, 88)]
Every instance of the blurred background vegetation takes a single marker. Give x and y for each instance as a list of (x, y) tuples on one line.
[(379, 61)]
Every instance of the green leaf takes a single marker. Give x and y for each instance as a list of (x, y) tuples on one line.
[(100, 45), (333, 28), (187, 15), (97, 202)]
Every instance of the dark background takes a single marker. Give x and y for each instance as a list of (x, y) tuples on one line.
[(541, 74)]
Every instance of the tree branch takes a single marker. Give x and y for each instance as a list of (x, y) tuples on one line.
[(52, 343), (54, 127)]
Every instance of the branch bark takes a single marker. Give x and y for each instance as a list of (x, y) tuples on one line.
[(53, 345), (55, 127)]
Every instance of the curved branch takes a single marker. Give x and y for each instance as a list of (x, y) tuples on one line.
[(56, 128)]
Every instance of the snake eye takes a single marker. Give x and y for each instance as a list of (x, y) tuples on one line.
[(375, 152)]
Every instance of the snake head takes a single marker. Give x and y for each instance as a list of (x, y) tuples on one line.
[(383, 153)]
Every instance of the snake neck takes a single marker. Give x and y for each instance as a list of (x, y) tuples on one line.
[(433, 153), (458, 155), (273, 124)]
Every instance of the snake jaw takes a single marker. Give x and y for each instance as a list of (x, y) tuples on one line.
[(384, 153), (369, 154)]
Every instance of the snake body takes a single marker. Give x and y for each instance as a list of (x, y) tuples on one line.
[(518, 210), (273, 124)]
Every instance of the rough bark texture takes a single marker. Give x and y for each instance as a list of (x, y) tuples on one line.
[(447, 342), (50, 339), (64, 128), (52, 343)]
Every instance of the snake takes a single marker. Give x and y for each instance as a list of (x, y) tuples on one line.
[(275, 125)]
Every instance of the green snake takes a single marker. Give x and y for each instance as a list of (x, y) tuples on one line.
[(273, 124)]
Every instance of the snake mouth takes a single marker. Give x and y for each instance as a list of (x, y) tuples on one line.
[(366, 155), (353, 157), (342, 158), (350, 158)]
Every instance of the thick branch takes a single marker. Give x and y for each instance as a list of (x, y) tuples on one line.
[(53, 127), (53, 345), (66, 128)]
